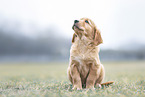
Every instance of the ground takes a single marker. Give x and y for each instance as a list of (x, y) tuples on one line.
[(50, 79)]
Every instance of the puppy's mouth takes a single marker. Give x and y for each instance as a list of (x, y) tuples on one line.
[(77, 27)]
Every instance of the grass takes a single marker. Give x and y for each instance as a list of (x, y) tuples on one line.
[(50, 79)]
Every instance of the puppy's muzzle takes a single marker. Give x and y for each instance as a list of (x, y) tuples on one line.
[(75, 25), (76, 21)]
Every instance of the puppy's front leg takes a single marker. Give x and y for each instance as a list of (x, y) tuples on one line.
[(93, 75), (77, 84)]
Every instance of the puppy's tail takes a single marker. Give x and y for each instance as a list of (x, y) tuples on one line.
[(107, 83)]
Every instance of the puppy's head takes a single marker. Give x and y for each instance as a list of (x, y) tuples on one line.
[(86, 28)]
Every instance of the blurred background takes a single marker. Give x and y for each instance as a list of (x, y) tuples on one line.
[(41, 30)]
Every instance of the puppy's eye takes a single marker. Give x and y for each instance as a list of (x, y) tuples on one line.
[(87, 21)]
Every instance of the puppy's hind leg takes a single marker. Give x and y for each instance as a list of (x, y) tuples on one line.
[(69, 75), (100, 78)]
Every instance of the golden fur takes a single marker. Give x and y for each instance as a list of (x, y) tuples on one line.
[(85, 69)]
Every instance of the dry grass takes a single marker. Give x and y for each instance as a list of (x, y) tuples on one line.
[(51, 80)]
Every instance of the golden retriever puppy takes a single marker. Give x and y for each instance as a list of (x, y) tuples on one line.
[(85, 69)]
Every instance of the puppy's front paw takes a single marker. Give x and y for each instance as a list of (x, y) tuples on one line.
[(75, 87), (90, 87)]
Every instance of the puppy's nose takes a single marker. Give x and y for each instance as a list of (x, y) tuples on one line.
[(76, 21)]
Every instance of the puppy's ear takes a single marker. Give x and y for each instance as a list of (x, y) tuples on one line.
[(74, 36), (97, 37)]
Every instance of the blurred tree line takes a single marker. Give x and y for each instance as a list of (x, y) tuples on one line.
[(54, 47), (14, 44)]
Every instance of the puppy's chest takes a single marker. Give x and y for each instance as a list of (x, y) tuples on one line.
[(83, 69), (83, 54)]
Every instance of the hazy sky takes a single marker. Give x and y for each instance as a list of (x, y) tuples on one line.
[(120, 21)]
